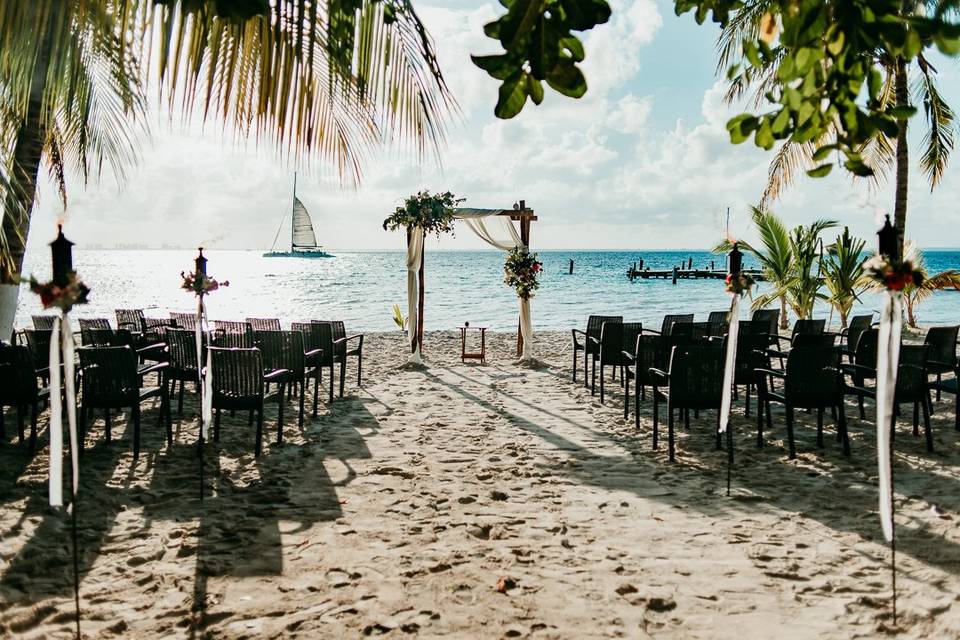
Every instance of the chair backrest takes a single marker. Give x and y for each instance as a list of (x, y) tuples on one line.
[(264, 324), (18, 375), (38, 340), (595, 325), (106, 338), (131, 320), (813, 340), (338, 331), (184, 320), (718, 322), (630, 332), (230, 334), (866, 353), (281, 350), (683, 329), (856, 326), (696, 376), (701, 330), (666, 328), (751, 355), (749, 327), (813, 377), (323, 338), (310, 341), (611, 341), (90, 324), (236, 373), (44, 323), (182, 349), (808, 326), (770, 316), (912, 373), (109, 375), (942, 343)]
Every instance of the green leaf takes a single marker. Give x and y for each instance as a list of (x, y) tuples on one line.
[(567, 79), (513, 95), (498, 66), (820, 172), (534, 90)]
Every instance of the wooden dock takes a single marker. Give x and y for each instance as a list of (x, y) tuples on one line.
[(686, 274)]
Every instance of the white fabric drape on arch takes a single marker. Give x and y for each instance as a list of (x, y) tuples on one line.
[(414, 258), (478, 220)]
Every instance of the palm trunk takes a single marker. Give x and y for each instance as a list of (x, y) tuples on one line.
[(784, 321), (911, 320), (903, 154), (18, 204)]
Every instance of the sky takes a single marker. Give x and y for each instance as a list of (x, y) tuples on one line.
[(643, 161)]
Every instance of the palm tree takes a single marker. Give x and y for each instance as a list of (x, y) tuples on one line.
[(882, 152), (949, 279), (843, 273), (327, 79), (774, 255)]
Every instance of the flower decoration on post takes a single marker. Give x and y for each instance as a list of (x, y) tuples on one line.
[(198, 281), (737, 282), (886, 266), (432, 212), (522, 271)]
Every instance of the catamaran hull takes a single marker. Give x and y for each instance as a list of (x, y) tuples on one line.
[(297, 254)]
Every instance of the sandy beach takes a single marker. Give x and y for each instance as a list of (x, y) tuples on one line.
[(482, 501)]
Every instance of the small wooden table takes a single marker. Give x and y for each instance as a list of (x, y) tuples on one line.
[(476, 355)]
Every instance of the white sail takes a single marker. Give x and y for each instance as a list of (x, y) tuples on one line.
[(303, 235)]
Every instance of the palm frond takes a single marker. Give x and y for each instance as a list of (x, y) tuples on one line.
[(790, 160), (938, 138)]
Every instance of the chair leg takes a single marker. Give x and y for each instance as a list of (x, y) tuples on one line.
[(20, 412), (280, 411), (33, 428), (259, 436), (601, 382), (343, 371), (359, 367), (216, 425), (916, 417), (842, 428), (636, 406), (820, 427), (107, 422), (747, 401), (717, 431), (136, 432), (574, 368), (670, 436), (939, 375), (928, 434), (593, 378), (626, 396), (759, 423), (3, 425), (769, 417), (790, 441), (180, 400), (302, 394), (316, 384), (656, 420), (165, 412), (586, 377), (863, 415), (331, 384)]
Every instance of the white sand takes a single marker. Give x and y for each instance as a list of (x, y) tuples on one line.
[(401, 508)]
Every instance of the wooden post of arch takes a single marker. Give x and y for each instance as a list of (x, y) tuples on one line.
[(525, 216)]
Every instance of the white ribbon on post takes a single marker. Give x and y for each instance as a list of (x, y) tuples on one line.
[(414, 258), (888, 361), (203, 372), (61, 351), (729, 363)]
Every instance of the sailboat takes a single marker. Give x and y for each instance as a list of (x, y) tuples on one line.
[(303, 241)]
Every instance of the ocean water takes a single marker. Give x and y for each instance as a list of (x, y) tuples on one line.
[(360, 288)]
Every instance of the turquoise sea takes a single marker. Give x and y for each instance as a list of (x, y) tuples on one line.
[(361, 288)]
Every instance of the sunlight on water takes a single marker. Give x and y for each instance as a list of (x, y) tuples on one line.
[(360, 288)]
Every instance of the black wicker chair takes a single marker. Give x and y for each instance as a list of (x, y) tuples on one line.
[(87, 325), (343, 351), (751, 355), (20, 388), (43, 323), (182, 356), (912, 386), (812, 380), (589, 347), (264, 324), (284, 351), (111, 379), (942, 354), (769, 316), (232, 335), (38, 341), (649, 352), (694, 382), (238, 382), (313, 355), (616, 344), (850, 335), (804, 326), (863, 365)]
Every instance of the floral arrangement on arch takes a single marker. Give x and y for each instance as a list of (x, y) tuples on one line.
[(432, 212), (52, 295), (894, 276), (204, 286), (522, 270), (740, 284)]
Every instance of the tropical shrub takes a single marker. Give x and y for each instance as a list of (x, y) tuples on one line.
[(843, 272)]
